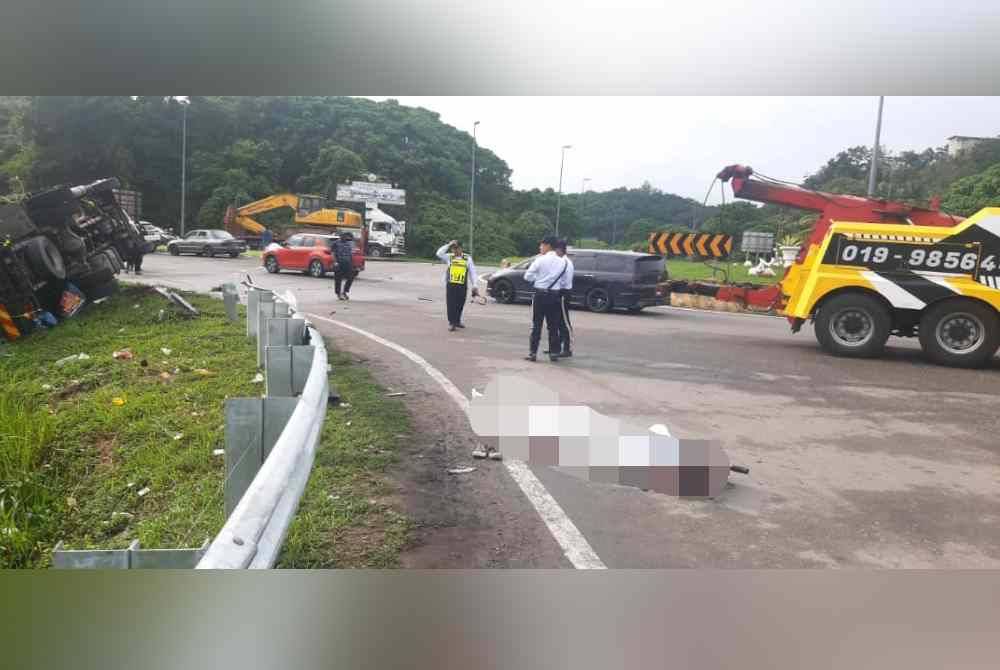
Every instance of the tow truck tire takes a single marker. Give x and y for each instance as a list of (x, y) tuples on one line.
[(375, 251), (44, 257), (855, 325), (960, 333)]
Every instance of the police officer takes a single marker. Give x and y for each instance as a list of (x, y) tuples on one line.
[(546, 273), (343, 273), (565, 288), (461, 272)]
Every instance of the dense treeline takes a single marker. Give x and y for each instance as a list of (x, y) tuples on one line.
[(241, 149)]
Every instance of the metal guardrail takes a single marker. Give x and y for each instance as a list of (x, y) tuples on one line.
[(255, 530)]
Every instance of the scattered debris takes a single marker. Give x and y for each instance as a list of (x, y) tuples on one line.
[(178, 436), (123, 355), (177, 300), (460, 471), (162, 316), (71, 502), (118, 402), (135, 306), (395, 395), (333, 497), (121, 330), (258, 378), (144, 363), (348, 423), (425, 299), (476, 394), (166, 352), (76, 357), (218, 452), (100, 300), (203, 372), (165, 376), (46, 387), (143, 491), (345, 404), (126, 514)]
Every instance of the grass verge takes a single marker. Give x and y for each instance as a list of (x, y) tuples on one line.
[(99, 452), (682, 268), (348, 515)]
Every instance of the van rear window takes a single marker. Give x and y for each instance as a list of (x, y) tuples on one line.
[(649, 270), (613, 263)]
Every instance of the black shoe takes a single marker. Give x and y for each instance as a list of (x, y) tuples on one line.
[(346, 296), (566, 354), (451, 327), (554, 358), (530, 357), (460, 325)]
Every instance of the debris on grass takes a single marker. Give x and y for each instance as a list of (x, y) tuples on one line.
[(258, 378), (460, 471), (203, 372), (166, 352), (123, 355), (143, 491), (218, 452), (178, 436), (117, 402), (75, 357), (395, 395)]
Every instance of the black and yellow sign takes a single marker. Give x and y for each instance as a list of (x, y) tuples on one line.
[(706, 245)]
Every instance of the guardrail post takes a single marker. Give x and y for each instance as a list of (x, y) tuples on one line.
[(287, 368), (268, 310), (252, 428), (230, 298), (132, 558)]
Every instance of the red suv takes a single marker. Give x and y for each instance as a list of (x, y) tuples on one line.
[(310, 253)]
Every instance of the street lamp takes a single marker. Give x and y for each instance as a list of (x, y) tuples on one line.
[(562, 162), (184, 105), (472, 191), (583, 195), (873, 168)]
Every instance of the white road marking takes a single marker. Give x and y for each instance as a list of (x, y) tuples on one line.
[(574, 545)]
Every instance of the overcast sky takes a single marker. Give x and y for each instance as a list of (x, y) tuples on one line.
[(679, 144)]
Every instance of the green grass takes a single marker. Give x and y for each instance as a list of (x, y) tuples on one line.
[(681, 268), (73, 461), (348, 516)]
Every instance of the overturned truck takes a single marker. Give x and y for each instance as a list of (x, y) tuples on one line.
[(59, 247)]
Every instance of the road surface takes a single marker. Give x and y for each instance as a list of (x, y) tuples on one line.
[(854, 463)]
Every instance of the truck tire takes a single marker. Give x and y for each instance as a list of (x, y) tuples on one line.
[(44, 257), (375, 251), (960, 333), (854, 325)]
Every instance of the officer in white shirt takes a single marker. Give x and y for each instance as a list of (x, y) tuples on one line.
[(461, 272), (546, 273), (565, 288)]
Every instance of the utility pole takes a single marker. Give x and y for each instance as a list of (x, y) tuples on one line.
[(184, 126), (562, 162), (472, 191), (583, 197), (873, 169)]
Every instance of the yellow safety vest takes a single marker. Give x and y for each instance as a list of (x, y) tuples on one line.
[(457, 270)]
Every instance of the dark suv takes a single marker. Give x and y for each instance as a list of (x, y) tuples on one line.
[(602, 280), (207, 243)]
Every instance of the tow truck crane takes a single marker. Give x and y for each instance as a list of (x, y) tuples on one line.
[(872, 268)]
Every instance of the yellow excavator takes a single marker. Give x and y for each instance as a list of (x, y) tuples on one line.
[(310, 211)]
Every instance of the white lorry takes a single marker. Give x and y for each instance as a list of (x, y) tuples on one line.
[(386, 235)]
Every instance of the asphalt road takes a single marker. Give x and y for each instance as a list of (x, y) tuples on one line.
[(886, 463)]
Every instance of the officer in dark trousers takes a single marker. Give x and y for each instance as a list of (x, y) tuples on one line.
[(565, 288), (545, 273), (343, 273), (461, 272)]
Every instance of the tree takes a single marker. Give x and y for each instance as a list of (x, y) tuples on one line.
[(970, 194), (333, 165), (527, 229)]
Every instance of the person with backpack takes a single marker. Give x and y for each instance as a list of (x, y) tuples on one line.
[(461, 272), (343, 273), (546, 273)]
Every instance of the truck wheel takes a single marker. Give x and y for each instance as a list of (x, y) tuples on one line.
[(44, 257), (375, 252), (853, 324), (503, 291), (597, 300), (960, 333), (271, 263)]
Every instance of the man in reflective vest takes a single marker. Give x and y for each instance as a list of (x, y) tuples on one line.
[(461, 272)]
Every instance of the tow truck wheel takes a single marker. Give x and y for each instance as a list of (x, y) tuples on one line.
[(853, 324), (960, 333)]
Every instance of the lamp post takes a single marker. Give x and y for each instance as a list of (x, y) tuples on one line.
[(184, 106), (583, 195), (472, 191), (562, 162), (873, 169)]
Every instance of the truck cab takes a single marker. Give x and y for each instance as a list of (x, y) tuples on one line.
[(386, 235)]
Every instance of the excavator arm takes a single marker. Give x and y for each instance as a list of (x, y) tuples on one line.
[(242, 217)]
